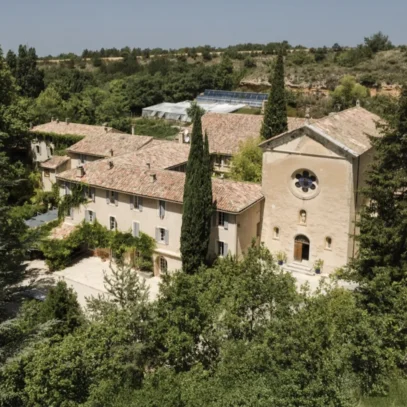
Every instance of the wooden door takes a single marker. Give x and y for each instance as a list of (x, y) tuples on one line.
[(297, 251)]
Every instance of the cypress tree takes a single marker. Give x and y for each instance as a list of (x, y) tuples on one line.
[(383, 237), (208, 188), (196, 216), (275, 115), (381, 267)]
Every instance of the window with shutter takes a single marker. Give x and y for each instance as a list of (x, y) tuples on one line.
[(161, 235), (223, 220), (161, 209), (221, 249), (112, 223), (116, 198), (136, 229)]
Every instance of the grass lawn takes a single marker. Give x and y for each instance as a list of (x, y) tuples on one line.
[(248, 110), (397, 397), (156, 128)]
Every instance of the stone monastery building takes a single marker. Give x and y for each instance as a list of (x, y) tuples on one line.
[(306, 206)]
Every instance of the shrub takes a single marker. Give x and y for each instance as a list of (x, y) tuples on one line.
[(58, 253), (249, 62)]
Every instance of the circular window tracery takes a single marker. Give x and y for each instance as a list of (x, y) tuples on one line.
[(305, 181), (304, 184)]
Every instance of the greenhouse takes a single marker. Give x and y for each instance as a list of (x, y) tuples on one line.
[(178, 111)]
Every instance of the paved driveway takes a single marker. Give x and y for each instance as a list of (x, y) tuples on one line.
[(86, 278)]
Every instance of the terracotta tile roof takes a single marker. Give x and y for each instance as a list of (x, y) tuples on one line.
[(158, 154), (349, 130), (351, 127), (62, 231), (226, 131), (230, 196), (73, 128), (55, 161), (102, 145)]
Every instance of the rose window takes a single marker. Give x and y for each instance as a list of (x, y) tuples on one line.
[(305, 181)]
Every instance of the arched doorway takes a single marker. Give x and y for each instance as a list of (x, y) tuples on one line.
[(301, 248)]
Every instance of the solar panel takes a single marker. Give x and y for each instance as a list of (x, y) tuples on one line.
[(249, 98)]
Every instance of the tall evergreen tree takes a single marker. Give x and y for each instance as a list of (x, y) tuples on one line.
[(275, 115), (196, 214), (383, 225), (11, 59), (29, 77), (208, 188)]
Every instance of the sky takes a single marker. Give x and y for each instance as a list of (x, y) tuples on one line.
[(62, 26)]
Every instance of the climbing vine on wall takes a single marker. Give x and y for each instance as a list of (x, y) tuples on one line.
[(74, 199), (60, 141)]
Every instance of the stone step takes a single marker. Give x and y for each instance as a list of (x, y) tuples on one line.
[(299, 268)]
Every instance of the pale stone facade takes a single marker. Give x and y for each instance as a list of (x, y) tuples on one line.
[(311, 182), (236, 235), (306, 207)]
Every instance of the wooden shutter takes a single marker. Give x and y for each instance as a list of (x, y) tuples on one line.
[(226, 221), (225, 249), (87, 217), (167, 236), (107, 197), (157, 234), (71, 212), (116, 198), (136, 229), (297, 251), (131, 202), (93, 194), (140, 204), (94, 217)]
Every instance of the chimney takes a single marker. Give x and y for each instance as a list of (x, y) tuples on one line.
[(110, 165), (31, 125), (80, 171), (105, 126), (57, 120), (153, 177), (67, 120), (52, 119), (148, 165), (358, 103), (111, 152), (132, 130)]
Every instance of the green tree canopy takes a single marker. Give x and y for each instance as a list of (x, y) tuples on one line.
[(348, 93), (247, 162), (378, 42), (29, 78)]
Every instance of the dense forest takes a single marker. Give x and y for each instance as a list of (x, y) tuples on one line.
[(238, 332), (92, 89)]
